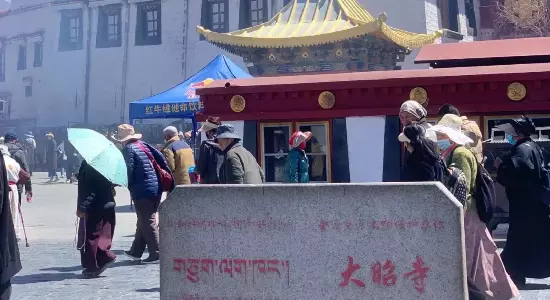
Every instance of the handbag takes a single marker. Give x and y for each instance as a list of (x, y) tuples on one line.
[(165, 178)]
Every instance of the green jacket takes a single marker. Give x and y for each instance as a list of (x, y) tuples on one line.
[(464, 159), (296, 167)]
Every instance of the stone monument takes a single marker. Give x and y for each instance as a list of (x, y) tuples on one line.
[(315, 241)]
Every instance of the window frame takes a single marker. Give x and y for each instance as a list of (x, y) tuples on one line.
[(294, 126), (66, 42), (22, 58), (328, 146), (38, 54), (103, 26), (142, 25), (207, 15), (449, 18), (247, 13)]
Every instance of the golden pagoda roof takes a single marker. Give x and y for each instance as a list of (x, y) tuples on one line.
[(315, 22)]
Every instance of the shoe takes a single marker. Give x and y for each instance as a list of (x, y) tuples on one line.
[(56, 178), (131, 256), (151, 260), (102, 269), (89, 273), (62, 176)]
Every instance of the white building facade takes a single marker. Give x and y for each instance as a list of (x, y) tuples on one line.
[(75, 61)]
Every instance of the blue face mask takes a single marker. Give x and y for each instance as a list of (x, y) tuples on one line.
[(444, 144), (510, 139)]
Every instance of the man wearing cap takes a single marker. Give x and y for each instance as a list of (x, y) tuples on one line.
[(239, 165), (179, 156), (51, 157), (527, 250), (210, 154), (30, 145), (145, 190)]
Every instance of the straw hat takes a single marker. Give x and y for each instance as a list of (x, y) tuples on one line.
[(125, 133), (450, 125)]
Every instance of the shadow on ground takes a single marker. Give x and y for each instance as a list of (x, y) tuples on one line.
[(152, 290), (124, 263), (535, 287), (44, 277)]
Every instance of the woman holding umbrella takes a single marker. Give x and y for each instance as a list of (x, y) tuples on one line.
[(102, 169)]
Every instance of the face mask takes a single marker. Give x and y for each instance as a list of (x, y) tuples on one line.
[(510, 139), (444, 144)]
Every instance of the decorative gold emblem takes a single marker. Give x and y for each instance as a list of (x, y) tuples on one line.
[(516, 91), (419, 95), (339, 53), (237, 103), (305, 55), (272, 58), (327, 100)]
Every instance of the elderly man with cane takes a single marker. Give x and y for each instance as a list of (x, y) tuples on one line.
[(9, 250)]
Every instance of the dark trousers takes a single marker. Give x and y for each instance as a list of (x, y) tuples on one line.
[(147, 233), (5, 290), (96, 233)]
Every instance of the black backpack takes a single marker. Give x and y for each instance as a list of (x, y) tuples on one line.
[(484, 194), (544, 173)]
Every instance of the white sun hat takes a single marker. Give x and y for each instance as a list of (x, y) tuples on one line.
[(450, 125)]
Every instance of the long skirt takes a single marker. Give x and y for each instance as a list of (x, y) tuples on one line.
[(14, 205), (485, 267), (95, 237)]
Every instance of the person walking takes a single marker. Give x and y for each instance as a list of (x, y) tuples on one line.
[(13, 169), (527, 250), (17, 152), (239, 165), (210, 154), (469, 127), (96, 211), (484, 265), (29, 143), (179, 156), (9, 249), (297, 163), (145, 190), (423, 162), (51, 157)]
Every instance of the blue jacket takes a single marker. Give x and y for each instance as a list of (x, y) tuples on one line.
[(142, 178), (296, 167)]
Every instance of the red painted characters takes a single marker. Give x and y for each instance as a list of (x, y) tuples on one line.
[(384, 274), (196, 269)]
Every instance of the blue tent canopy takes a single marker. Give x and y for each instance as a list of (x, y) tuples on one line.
[(181, 100)]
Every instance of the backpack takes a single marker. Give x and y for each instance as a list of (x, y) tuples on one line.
[(544, 176), (455, 181), (485, 195)]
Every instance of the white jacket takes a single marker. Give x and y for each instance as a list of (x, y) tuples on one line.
[(12, 168)]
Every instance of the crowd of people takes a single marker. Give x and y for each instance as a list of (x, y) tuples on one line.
[(433, 153), (456, 143)]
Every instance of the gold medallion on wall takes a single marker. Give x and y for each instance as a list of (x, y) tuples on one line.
[(326, 100), (516, 91), (237, 103), (419, 95)]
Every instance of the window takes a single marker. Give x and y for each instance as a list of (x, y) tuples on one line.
[(215, 15), (109, 27), (448, 10), (2, 65), (275, 148), (252, 13), (287, 2), (70, 34), (38, 53), (148, 30), (28, 91), (22, 57), (317, 150)]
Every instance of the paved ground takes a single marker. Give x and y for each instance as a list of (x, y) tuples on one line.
[(51, 265)]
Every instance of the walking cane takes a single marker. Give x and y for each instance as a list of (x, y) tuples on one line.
[(24, 230)]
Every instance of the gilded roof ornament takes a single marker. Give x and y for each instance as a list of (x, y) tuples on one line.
[(516, 91), (311, 23)]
